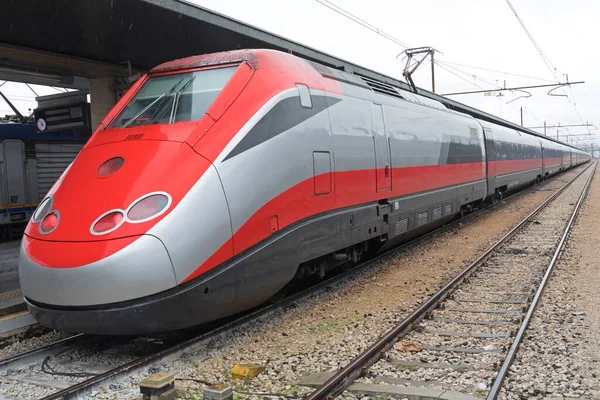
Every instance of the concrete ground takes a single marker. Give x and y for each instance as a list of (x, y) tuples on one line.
[(10, 293)]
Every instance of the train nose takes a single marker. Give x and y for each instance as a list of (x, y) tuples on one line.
[(118, 190), (50, 273)]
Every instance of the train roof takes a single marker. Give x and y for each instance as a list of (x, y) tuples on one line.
[(357, 75), (393, 87)]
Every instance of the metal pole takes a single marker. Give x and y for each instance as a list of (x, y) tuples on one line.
[(545, 128), (521, 116), (557, 134), (432, 73)]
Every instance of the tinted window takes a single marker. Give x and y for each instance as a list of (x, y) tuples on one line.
[(188, 96)]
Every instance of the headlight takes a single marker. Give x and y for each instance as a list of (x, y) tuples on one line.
[(148, 207), (143, 209), (49, 223), (107, 223), (42, 210)]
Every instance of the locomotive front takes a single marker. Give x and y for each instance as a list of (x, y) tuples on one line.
[(137, 213)]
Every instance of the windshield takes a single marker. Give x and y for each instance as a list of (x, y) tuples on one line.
[(174, 98)]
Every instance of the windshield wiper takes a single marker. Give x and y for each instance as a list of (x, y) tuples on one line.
[(143, 110), (176, 100)]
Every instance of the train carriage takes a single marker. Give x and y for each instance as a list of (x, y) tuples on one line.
[(219, 179), (513, 158)]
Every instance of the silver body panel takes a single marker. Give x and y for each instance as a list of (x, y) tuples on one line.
[(140, 269), (197, 227)]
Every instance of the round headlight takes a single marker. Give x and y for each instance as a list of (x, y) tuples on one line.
[(49, 223), (42, 210), (107, 223), (147, 208)]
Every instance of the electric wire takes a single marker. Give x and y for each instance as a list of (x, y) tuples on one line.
[(535, 115), (352, 17), (334, 7), (537, 47), (496, 71), (491, 83), (546, 60)]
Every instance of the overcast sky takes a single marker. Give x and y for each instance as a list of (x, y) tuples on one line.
[(470, 32)]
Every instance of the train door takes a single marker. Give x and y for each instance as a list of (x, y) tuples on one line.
[(490, 160), (14, 168), (382, 151), (570, 157)]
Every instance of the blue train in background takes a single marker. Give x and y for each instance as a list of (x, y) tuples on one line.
[(30, 163), (34, 151)]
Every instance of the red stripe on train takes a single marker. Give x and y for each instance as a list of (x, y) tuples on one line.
[(350, 188), (504, 167)]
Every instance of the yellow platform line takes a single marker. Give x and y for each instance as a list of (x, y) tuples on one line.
[(15, 315)]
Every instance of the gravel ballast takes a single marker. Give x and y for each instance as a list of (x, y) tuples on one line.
[(560, 355)]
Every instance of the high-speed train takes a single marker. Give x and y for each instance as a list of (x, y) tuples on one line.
[(218, 179)]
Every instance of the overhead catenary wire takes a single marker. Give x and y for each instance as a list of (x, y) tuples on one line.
[(495, 70), (488, 82), (341, 11), (535, 115), (546, 60), (349, 15)]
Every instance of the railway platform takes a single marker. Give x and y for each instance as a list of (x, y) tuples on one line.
[(10, 294)]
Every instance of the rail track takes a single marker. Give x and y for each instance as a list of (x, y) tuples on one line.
[(77, 366), (462, 340)]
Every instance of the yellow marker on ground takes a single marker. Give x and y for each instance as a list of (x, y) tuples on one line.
[(160, 386), (246, 371), (14, 315)]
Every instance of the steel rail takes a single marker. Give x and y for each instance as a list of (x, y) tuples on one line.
[(497, 386), (53, 347), (86, 386), (344, 377)]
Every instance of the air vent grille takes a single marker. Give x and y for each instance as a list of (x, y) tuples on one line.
[(137, 136), (382, 87), (437, 212), (422, 219), (402, 226)]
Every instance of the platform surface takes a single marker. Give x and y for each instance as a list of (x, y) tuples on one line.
[(10, 293)]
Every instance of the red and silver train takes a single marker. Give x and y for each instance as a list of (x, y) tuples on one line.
[(218, 179)]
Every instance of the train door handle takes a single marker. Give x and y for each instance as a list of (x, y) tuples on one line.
[(387, 171)]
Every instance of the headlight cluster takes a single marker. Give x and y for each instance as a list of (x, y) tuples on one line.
[(143, 209), (49, 218)]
